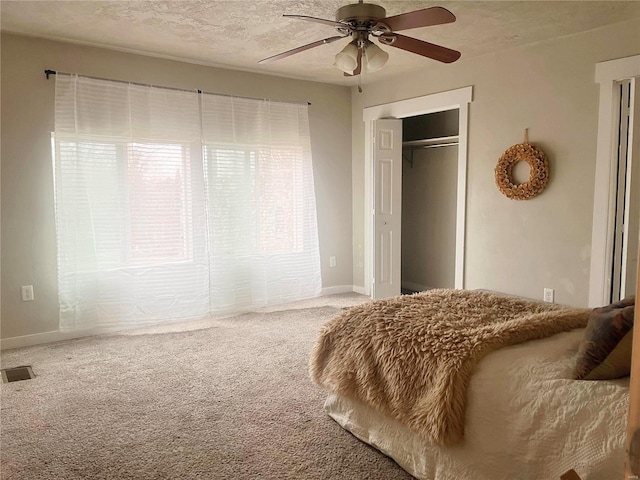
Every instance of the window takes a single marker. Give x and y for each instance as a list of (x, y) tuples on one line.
[(174, 204), (255, 200), (159, 203), (147, 186)]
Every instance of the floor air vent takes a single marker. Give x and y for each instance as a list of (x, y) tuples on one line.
[(17, 373)]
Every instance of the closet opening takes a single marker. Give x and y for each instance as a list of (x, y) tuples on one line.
[(429, 201)]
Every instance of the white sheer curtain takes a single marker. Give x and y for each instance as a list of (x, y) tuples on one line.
[(136, 241), (261, 202)]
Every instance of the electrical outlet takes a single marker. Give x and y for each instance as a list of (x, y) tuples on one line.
[(548, 295), (332, 261), (26, 292)]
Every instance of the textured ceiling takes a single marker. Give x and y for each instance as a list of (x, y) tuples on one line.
[(237, 33)]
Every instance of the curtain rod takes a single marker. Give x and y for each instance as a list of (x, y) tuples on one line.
[(53, 72)]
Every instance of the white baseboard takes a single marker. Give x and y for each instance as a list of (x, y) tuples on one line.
[(44, 337), (358, 289), (338, 289), (57, 336), (416, 287)]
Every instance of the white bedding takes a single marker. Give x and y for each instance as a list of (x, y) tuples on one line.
[(526, 419)]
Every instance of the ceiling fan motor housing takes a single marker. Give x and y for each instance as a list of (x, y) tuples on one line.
[(360, 12)]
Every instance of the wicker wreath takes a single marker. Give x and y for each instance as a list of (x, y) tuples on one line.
[(538, 176)]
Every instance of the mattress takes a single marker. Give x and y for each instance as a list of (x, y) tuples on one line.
[(526, 419)]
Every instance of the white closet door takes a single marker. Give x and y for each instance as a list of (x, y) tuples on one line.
[(632, 211), (387, 207)]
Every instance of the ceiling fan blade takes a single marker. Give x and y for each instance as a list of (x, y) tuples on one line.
[(331, 23), (300, 49), (426, 49), (419, 18)]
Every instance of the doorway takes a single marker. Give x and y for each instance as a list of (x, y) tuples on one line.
[(615, 209), (627, 201), (382, 254), (429, 182)]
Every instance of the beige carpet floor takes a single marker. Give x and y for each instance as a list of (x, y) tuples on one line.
[(225, 398)]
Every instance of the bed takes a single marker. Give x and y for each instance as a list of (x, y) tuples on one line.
[(456, 384)]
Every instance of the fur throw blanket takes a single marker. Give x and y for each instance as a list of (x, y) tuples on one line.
[(412, 356)]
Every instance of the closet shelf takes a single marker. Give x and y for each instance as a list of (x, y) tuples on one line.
[(432, 142)]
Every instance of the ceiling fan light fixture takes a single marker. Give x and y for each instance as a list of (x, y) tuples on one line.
[(375, 57), (347, 59)]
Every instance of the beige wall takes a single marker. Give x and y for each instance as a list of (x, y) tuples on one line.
[(28, 230), (518, 247)]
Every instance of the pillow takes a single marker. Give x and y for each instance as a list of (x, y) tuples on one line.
[(605, 350)]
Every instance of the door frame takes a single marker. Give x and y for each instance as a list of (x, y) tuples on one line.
[(438, 102), (607, 74)]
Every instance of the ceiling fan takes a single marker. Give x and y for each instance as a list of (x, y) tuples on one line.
[(362, 20)]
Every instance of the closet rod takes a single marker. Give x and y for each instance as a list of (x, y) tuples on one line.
[(49, 72)]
